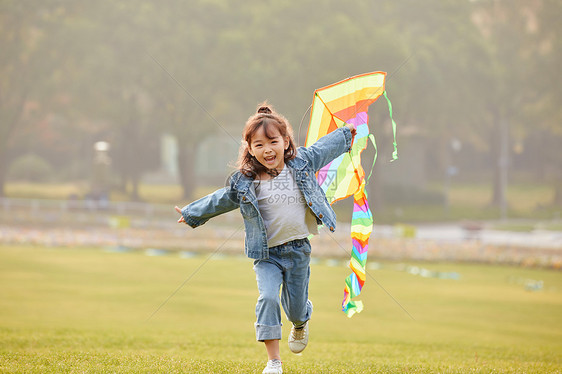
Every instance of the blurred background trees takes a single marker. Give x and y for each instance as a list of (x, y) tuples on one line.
[(475, 85)]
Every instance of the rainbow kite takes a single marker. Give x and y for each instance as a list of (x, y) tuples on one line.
[(341, 103)]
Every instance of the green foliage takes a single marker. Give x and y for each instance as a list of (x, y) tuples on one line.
[(127, 71), (412, 195), (87, 310), (30, 168)]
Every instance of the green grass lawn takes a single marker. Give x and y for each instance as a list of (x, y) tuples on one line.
[(87, 311)]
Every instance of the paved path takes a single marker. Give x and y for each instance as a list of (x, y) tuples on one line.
[(398, 243), (456, 233)]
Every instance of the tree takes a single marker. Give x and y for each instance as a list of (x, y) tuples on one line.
[(544, 112), (438, 89), (126, 71), (114, 61), (522, 54), (25, 60), (191, 78)]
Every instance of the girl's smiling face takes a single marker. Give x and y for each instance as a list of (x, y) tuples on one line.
[(269, 150)]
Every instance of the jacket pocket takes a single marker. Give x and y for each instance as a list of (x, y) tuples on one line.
[(247, 209)]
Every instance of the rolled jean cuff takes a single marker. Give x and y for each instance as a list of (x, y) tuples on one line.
[(264, 332)]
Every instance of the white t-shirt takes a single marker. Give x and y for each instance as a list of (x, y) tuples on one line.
[(284, 210)]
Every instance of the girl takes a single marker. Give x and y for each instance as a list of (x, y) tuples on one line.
[(282, 204)]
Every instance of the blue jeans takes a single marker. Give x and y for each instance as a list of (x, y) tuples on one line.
[(288, 265)]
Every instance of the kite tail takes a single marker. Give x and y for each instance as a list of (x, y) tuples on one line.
[(395, 153), (361, 228)]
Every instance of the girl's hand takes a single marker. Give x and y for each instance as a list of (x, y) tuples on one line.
[(353, 131), (181, 218)]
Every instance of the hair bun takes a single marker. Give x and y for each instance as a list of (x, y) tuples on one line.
[(264, 109)]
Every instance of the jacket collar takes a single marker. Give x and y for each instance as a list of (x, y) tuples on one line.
[(297, 163), (242, 183)]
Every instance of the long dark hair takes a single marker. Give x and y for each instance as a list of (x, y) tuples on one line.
[(264, 117)]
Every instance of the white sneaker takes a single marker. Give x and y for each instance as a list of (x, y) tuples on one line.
[(273, 367), (298, 338)]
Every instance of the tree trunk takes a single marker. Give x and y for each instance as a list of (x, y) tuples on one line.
[(9, 122), (557, 201), (135, 187), (186, 163), (3, 170), (500, 156)]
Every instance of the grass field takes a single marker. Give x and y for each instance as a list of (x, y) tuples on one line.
[(87, 311)]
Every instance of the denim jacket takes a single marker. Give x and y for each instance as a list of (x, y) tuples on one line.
[(241, 193)]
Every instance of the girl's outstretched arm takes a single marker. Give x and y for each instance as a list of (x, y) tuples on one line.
[(200, 211), (329, 147)]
